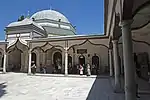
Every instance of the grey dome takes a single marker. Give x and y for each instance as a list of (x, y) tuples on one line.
[(50, 14)]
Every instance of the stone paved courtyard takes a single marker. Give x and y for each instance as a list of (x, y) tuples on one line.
[(20, 86)]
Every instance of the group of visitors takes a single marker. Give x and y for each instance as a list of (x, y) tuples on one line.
[(43, 68), (15, 67), (84, 70), (80, 69), (33, 68)]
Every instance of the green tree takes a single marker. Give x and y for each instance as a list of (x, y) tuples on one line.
[(21, 18)]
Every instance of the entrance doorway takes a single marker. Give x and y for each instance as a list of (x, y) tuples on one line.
[(57, 60), (70, 67), (82, 60), (33, 59), (15, 64), (95, 64)]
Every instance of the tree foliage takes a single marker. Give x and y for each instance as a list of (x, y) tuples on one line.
[(21, 18)]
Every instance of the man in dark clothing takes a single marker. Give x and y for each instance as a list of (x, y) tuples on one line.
[(41, 68), (137, 66)]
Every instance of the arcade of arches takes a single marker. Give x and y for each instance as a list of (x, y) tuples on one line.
[(52, 55)]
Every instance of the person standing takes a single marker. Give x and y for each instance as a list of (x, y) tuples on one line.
[(44, 69), (41, 68), (33, 67), (88, 70), (59, 69), (136, 73), (81, 70)]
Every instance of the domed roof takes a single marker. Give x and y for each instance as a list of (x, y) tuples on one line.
[(50, 14)]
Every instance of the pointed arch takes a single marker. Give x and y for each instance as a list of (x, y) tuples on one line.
[(78, 44), (87, 40), (14, 46), (15, 42), (47, 43)]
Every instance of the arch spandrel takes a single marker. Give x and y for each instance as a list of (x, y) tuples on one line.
[(94, 43), (58, 43), (46, 46), (1, 51), (12, 42), (2, 47), (103, 42), (38, 44), (18, 45), (75, 42)]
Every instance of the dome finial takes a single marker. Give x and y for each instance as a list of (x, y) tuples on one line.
[(28, 15), (50, 7)]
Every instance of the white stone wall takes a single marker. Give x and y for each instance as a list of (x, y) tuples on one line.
[(101, 51)]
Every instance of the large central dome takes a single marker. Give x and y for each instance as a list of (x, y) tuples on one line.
[(50, 14)]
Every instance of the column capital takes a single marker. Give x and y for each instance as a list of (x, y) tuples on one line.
[(66, 49), (30, 50), (110, 50), (114, 41), (125, 22), (5, 52)]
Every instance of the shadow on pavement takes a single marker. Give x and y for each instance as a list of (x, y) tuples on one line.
[(2, 89), (102, 90)]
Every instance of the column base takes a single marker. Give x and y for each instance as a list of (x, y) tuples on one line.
[(4, 72), (29, 73), (118, 90), (66, 75), (111, 75)]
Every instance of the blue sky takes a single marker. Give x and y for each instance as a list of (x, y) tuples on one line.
[(86, 15)]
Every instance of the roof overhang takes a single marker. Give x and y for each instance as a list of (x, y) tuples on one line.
[(3, 42), (74, 37)]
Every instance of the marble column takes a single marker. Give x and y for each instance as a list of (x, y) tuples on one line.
[(4, 62), (116, 66), (66, 62), (29, 64), (44, 58), (129, 69), (110, 62)]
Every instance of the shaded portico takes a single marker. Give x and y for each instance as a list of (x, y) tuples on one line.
[(124, 20)]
